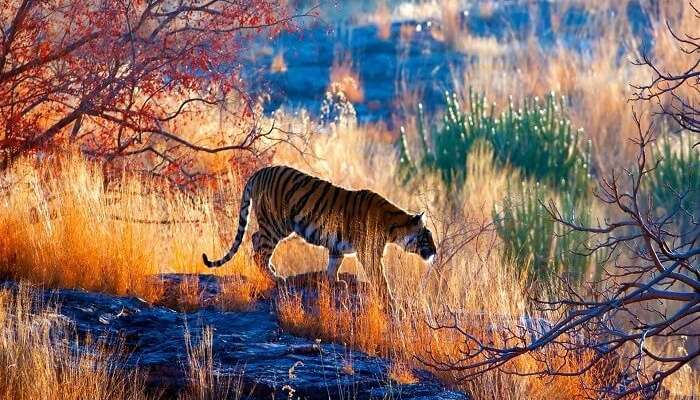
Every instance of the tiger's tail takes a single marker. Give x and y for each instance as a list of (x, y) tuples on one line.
[(242, 225)]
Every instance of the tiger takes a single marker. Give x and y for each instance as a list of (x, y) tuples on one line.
[(287, 201)]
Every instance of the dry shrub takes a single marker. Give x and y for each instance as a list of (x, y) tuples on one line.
[(380, 133), (204, 382), (685, 383), (364, 325), (239, 290), (401, 373), (344, 76), (61, 227), (40, 357)]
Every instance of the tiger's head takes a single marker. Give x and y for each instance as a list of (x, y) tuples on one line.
[(416, 238)]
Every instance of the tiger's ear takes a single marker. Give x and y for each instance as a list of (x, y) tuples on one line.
[(418, 219)]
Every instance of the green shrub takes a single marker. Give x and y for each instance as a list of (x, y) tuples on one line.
[(536, 138), (675, 184), (535, 241)]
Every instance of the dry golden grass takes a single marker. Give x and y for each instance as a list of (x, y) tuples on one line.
[(240, 292), (62, 228), (382, 19), (477, 283), (39, 360), (188, 295), (401, 373), (365, 329), (345, 77), (204, 382), (450, 28), (58, 229), (278, 64)]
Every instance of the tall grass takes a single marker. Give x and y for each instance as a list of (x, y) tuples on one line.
[(204, 382), (482, 283), (62, 227), (479, 282), (40, 357)]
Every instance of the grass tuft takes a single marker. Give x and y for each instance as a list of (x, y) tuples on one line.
[(42, 358)]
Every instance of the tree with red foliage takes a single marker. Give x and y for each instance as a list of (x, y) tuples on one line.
[(98, 73)]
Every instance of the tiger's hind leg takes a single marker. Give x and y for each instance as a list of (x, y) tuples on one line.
[(334, 261), (263, 247)]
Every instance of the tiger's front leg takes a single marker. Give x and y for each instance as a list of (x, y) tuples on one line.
[(372, 264)]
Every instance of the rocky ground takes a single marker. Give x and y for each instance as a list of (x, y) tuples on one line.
[(249, 346)]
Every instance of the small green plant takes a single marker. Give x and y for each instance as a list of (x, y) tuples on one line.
[(675, 183), (535, 241), (535, 137)]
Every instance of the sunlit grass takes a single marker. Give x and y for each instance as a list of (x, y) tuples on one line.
[(62, 228), (477, 282), (345, 77), (39, 360)]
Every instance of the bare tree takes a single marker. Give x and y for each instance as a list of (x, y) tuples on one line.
[(630, 327), (675, 92)]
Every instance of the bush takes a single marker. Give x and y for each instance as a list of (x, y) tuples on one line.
[(535, 137), (535, 241), (675, 183)]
